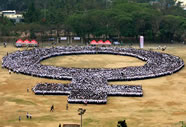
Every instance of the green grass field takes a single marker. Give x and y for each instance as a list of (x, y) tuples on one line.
[(163, 103)]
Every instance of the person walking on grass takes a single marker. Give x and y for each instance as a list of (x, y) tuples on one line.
[(19, 118), (9, 71), (27, 115), (60, 125), (52, 108), (67, 106), (30, 116), (5, 44), (27, 90)]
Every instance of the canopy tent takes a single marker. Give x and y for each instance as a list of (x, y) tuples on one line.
[(26, 41), (107, 42), (20, 43), (93, 42), (100, 42), (34, 42)]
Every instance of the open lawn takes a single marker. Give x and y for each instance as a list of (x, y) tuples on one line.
[(163, 103)]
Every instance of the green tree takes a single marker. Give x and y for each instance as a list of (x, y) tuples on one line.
[(32, 14), (171, 25), (5, 26)]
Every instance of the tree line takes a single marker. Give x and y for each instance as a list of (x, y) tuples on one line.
[(157, 20)]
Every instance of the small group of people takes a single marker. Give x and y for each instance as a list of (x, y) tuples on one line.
[(163, 48), (28, 116)]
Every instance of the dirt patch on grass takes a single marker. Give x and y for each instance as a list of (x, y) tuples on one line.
[(171, 103)]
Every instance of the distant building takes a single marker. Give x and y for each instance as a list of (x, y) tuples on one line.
[(183, 4), (184, 7), (12, 15), (9, 12)]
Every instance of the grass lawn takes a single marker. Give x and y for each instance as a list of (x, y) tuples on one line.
[(163, 103)]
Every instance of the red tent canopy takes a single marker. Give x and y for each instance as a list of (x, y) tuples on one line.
[(93, 42), (19, 41), (27, 41), (100, 42), (33, 42), (108, 42)]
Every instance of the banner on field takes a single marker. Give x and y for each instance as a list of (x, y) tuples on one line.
[(141, 42), (63, 38), (77, 38)]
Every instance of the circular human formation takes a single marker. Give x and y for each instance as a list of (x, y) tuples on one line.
[(28, 62), (90, 85)]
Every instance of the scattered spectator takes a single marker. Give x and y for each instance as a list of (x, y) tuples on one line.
[(30, 116), (9, 71), (66, 106), (5, 44), (52, 108), (27, 115), (19, 118), (60, 125)]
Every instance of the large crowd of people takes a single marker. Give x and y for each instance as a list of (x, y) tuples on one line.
[(84, 93), (90, 84)]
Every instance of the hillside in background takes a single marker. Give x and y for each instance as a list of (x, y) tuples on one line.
[(157, 20)]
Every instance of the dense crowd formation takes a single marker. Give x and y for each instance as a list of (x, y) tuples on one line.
[(88, 90), (91, 84)]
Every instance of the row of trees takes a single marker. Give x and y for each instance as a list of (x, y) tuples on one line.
[(162, 20)]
